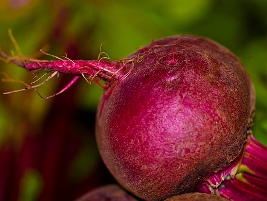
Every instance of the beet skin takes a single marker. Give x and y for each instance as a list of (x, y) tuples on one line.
[(182, 112), (111, 192), (196, 197)]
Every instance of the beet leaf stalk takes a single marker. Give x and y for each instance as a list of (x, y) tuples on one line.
[(244, 179)]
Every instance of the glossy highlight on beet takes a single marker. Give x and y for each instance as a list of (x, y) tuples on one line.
[(183, 112)]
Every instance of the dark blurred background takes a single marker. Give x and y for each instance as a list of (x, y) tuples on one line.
[(47, 147)]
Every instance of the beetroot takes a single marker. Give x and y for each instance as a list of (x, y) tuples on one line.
[(111, 192), (196, 197), (171, 114), (182, 113)]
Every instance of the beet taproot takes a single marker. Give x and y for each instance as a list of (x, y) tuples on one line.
[(183, 112)]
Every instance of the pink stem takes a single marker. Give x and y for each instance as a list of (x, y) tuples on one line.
[(243, 180)]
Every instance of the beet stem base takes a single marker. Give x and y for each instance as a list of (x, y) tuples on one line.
[(245, 179)]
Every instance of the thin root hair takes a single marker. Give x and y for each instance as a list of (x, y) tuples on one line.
[(34, 87), (106, 56), (94, 79)]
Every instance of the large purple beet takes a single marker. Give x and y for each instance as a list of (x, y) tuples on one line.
[(183, 112)]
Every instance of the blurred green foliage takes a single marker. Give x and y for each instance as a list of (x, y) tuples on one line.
[(79, 29)]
